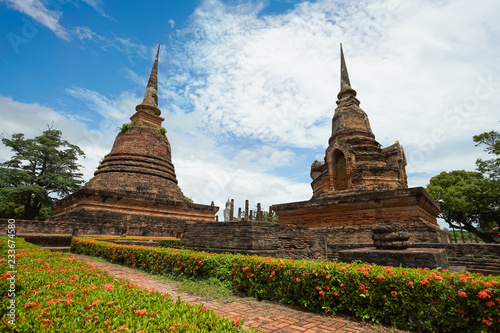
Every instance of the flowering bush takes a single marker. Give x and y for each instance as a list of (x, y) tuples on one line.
[(57, 293), (415, 299), (169, 242)]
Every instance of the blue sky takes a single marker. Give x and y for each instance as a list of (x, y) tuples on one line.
[(248, 88)]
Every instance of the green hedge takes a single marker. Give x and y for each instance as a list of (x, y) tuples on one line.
[(56, 293), (169, 242), (414, 299)]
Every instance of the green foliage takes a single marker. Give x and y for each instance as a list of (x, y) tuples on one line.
[(169, 242), (265, 217), (464, 197), (126, 127), (57, 293), (41, 167), (161, 130), (492, 142), (189, 199), (413, 299)]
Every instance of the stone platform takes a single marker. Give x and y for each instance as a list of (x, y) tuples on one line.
[(354, 214), (411, 257)]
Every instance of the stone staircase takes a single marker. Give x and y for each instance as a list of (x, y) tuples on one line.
[(476, 265)]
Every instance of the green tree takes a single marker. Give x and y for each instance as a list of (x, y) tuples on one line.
[(466, 198), (492, 142), (41, 167)]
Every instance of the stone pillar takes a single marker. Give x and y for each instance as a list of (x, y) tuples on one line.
[(239, 214), (250, 215), (246, 210), (231, 214), (270, 214), (259, 213)]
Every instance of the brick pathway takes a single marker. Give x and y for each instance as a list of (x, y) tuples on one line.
[(262, 315)]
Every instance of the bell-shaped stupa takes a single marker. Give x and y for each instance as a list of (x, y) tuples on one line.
[(135, 190)]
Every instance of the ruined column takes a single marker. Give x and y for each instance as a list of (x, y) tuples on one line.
[(246, 210), (239, 214), (270, 214), (231, 213), (250, 215), (259, 213)]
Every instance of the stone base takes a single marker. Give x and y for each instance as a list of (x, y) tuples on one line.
[(89, 211), (354, 214), (411, 258)]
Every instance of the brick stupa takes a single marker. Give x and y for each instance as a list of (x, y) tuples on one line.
[(359, 184), (134, 190)]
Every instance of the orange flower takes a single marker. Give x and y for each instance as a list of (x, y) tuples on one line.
[(328, 277), (381, 277), (108, 286), (460, 310), (490, 303), (297, 279), (410, 283), (363, 289), (486, 293), (462, 293), (141, 312), (394, 293), (424, 282), (486, 321), (31, 305)]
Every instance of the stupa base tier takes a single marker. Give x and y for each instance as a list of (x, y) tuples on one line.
[(359, 212)]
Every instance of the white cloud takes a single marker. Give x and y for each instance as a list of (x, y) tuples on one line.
[(97, 5), (172, 23), (32, 119), (36, 10), (117, 109), (427, 75), (85, 33)]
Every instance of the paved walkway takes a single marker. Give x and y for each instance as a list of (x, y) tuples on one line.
[(262, 315)]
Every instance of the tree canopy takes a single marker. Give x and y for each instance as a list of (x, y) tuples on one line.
[(472, 199), (40, 167)]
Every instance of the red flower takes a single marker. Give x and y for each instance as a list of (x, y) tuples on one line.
[(424, 282), (381, 277), (297, 279), (236, 322), (394, 293), (111, 303), (486, 293), (108, 286), (328, 276), (141, 312), (487, 322), (460, 310), (363, 289), (490, 303), (462, 293), (31, 305), (410, 283)]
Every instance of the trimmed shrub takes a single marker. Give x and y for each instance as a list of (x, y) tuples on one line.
[(58, 293), (414, 299), (169, 242)]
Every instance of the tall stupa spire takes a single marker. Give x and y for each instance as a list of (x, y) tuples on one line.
[(150, 101), (345, 83)]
